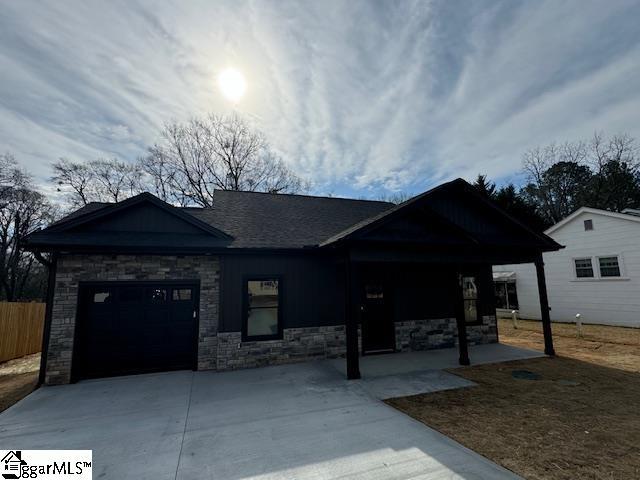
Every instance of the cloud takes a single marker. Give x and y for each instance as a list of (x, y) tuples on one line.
[(359, 96)]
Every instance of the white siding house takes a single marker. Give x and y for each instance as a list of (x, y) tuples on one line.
[(597, 274)]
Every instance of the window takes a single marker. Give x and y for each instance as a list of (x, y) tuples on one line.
[(609, 266), (156, 295), (181, 294), (584, 268), (470, 299), (506, 295), (375, 292), (588, 225), (262, 316), (102, 296)]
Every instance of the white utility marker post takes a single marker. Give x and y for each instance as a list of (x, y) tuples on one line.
[(579, 324), (514, 317)]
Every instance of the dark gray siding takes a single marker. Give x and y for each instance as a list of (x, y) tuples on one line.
[(142, 217), (426, 291), (312, 289)]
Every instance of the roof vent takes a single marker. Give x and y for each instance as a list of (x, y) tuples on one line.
[(588, 225)]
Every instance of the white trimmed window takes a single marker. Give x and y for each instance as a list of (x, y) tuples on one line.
[(584, 267), (609, 266)]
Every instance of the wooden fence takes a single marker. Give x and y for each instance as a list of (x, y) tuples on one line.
[(21, 327)]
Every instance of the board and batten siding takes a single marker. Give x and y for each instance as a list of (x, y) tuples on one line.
[(610, 301)]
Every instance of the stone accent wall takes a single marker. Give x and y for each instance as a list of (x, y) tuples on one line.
[(72, 269), (442, 333), (297, 344)]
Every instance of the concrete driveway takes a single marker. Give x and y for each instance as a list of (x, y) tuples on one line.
[(294, 421)]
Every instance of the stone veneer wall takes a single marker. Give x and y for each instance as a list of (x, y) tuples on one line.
[(72, 269), (442, 333), (224, 350), (297, 344)]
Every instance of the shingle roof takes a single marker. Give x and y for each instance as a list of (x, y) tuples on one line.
[(262, 220)]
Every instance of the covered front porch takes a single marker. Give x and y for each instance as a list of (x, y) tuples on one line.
[(431, 258)]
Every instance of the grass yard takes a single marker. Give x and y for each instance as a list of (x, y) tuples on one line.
[(18, 378), (578, 419)]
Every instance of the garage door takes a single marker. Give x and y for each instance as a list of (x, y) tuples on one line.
[(125, 328)]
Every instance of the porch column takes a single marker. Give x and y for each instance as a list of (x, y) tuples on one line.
[(544, 306), (351, 323), (463, 347)]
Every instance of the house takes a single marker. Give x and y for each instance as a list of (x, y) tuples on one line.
[(12, 464), (597, 275), (260, 279)]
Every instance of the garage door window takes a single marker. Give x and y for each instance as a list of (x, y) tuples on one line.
[(157, 295), (103, 296), (262, 320), (181, 294)]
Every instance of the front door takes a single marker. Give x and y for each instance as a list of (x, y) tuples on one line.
[(378, 330)]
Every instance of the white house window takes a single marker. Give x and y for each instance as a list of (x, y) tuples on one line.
[(609, 266), (588, 225), (584, 268), (506, 295)]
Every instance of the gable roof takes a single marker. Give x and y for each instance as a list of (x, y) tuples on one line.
[(252, 220), (456, 188), (137, 223), (594, 211), (265, 220), (96, 211)]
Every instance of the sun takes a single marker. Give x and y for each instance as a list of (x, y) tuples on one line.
[(232, 84)]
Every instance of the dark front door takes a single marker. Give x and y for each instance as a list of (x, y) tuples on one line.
[(378, 330), (125, 328)]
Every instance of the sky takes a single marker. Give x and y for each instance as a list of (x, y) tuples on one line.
[(362, 98)]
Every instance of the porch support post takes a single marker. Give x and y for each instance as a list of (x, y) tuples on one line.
[(544, 306), (351, 323), (463, 347)]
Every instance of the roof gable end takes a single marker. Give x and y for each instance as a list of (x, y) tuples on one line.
[(142, 213), (455, 206), (593, 211)]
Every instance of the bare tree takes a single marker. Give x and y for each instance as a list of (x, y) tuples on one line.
[(98, 180), (601, 173), (396, 197), (22, 210), (557, 179), (215, 152), (616, 166), (115, 180), (76, 178), (10, 174)]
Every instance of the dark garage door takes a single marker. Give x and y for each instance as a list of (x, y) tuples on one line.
[(125, 328)]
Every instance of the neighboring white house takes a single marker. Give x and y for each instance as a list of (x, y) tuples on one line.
[(597, 274)]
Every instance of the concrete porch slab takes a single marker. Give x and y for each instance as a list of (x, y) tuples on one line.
[(411, 373)]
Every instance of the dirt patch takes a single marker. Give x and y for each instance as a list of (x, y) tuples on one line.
[(18, 378), (573, 416), (576, 420), (617, 347)]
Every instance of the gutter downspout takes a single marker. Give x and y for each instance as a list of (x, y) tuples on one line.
[(46, 334)]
